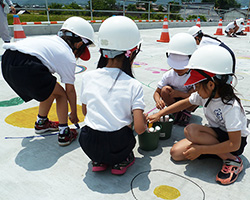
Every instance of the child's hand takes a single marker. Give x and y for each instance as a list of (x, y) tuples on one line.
[(73, 118), (160, 104), (145, 117), (192, 152), (153, 118)]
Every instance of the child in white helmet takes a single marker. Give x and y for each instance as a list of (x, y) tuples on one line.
[(112, 99), (240, 31), (28, 65), (203, 39), (232, 28), (170, 88), (226, 133)]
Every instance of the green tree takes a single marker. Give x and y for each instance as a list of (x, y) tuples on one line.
[(131, 7), (102, 5), (174, 7), (73, 5), (160, 8), (55, 6), (224, 4)]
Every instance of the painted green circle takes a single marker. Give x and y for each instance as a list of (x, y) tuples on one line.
[(12, 102)]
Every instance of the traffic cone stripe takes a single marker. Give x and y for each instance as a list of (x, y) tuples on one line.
[(247, 29), (19, 34), (164, 33), (198, 23), (18, 29), (165, 30), (219, 29)]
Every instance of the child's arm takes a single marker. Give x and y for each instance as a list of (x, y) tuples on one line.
[(84, 109), (140, 124), (231, 145), (177, 93), (176, 107), (158, 100), (71, 95)]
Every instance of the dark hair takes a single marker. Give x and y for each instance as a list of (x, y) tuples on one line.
[(71, 40), (225, 91), (126, 63)]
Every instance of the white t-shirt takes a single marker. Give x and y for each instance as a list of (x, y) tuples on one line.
[(229, 26), (172, 79), (229, 118), (53, 52), (109, 103), (241, 27), (208, 41)]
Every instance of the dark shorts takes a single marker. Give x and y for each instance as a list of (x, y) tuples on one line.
[(223, 136), (107, 147), (27, 76)]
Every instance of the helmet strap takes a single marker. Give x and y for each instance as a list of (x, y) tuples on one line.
[(211, 96), (209, 78)]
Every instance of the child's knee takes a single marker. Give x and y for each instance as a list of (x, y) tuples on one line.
[(165, 90), (176, 153)]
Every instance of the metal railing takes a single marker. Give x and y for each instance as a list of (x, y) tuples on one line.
[(206, 11)]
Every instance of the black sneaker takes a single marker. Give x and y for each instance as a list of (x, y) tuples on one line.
[(42, 127), (230, 171), (68, 136), (184, 118), (121, 168)]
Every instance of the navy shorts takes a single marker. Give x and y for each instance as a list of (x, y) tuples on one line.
[(27, 76), (107, 147), (223, 136)]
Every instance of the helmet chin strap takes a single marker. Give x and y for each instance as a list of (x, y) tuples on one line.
[(209, 78), (211, 96)]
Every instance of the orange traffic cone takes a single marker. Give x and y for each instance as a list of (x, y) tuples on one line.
[(165, 33), (219, 29), (247, 29), (198, 22), (18, 29)]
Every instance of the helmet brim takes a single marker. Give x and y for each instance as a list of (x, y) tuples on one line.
[(196, 77), (85, 54)]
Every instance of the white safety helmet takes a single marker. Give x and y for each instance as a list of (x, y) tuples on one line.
[(119, 33), (80, 27), (239, 21), (212, 58), (182, 44), (194, 31)]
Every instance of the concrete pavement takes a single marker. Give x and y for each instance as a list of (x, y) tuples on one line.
[(36, 167)]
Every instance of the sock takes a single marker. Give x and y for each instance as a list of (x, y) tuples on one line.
[(237, 159), (62, 128), (41, 119)]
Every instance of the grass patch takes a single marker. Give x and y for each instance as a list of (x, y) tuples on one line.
[(40, 18)]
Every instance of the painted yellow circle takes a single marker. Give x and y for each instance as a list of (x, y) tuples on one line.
[(26, 118), (167, 192)]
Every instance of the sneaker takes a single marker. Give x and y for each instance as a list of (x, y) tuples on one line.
[(98, 167), (230, 171), (121, 168), (46, 126), (177, 117), (184, 118), (68, 136)]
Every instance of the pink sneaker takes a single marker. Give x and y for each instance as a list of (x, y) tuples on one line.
[(98, 167), (230, 171), (46, 126), (121, 168)]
